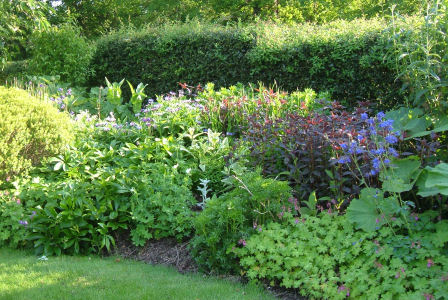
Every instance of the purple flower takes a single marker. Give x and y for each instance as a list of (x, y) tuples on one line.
[(69, 92), (24, 223), (60, 89)]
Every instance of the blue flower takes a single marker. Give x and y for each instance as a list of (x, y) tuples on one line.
[(391, 139), (376, 163), (393, 152), (379, 151), (387, 124), (344, 146), (371, 121), (380, 115), (359, 151), (387, 161), (364, 116), (344, 160)]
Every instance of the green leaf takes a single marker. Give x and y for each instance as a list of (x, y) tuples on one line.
[(441, 236), (438, 178), (423, 190), (401, 175), (363, 211)]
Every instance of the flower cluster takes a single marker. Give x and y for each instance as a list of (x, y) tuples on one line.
[(374, 144), (60, 99)]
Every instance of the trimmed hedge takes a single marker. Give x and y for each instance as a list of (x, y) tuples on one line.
[(345, 58)]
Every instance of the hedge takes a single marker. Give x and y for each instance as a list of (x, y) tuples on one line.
[(345, 58)]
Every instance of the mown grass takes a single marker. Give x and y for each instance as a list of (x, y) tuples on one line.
[(23, 276)]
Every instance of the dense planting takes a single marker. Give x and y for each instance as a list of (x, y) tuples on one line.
[(346, 59), (333, 199)]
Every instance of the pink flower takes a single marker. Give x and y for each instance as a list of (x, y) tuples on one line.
[(430, 263)]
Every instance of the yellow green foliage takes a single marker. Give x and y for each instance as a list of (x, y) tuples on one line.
[(30, 129)]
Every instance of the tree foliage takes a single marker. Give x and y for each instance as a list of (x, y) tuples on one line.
[(18, 18)]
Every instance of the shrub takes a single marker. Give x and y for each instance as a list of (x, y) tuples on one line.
[(30, 130), (346, 58), (231, 218), (324, 257), (61, 51)]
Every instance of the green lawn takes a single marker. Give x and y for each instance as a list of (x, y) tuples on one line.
[(23, 276)]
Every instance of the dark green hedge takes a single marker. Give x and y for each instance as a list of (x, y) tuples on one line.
[(345, 58)]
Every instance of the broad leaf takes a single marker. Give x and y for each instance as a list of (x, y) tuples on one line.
[(363, 211), (401, 175)]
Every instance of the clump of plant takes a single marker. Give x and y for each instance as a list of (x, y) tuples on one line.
[(61, 51), (13, 220), (305, 146), (228, 109), (227, 221), (420, 53), (30, 131), (323, 256), (83, 197)]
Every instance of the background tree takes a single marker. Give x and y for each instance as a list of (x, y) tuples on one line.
[(18, 19)]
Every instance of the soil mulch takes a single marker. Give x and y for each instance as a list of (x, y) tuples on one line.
[(158, 252), (169, 252)]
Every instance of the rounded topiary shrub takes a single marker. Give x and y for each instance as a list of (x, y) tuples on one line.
[(30, 129)]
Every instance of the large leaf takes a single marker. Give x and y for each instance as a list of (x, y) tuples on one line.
[(372, 210), (409, 121), (438, 178), (401, 175), (363, 211), (424, 191)]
